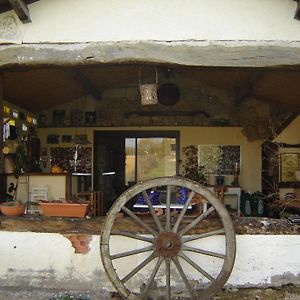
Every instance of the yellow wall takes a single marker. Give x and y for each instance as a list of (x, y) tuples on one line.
[(291, 135), (250, 151)]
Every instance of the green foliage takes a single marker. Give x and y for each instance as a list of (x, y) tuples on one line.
[(190, 168), (19, 160)]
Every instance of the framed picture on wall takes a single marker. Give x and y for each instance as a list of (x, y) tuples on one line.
[(90, 117), (52, 139), (66, 138), (289, 164)]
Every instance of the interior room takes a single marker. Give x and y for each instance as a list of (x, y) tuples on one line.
[(90, 125)]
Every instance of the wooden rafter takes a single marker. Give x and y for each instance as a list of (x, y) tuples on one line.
[(1, 118), (290, 117), (297, 12), (246, 89), (87, 84), (21, 9)]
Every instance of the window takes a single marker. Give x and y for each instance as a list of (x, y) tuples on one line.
[(149, 157)]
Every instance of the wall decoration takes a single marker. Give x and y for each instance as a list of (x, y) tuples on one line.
[(53, 139), (90, 117), (77, 117), (66, 138), (59, 116), (289, 164), (22, 116), (219, 159), (65, 158), (42, 120)]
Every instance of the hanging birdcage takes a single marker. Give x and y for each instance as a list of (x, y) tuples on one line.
[(148, 90)]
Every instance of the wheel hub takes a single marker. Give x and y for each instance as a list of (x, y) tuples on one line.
[(168, 244)]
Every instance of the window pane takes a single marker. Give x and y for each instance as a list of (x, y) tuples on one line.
[(129, 161), (156, 157)]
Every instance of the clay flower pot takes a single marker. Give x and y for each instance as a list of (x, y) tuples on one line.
[(71, 210), (12, 209)]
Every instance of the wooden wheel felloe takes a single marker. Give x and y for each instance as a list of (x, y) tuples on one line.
[(178, 253)]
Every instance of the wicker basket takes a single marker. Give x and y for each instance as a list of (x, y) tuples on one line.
[(148, 91)]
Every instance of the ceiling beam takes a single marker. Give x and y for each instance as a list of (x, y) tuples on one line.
[(229, 54), (297, 12), (289, 118), (1, 119), (245, 90), (21, 9), (87, 84)]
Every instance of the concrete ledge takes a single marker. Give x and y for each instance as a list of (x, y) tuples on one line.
[(249, 225)]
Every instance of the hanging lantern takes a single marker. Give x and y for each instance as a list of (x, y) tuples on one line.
[(148, 90)]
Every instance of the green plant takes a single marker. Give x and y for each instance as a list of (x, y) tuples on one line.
[(19, 160), (190, 168)]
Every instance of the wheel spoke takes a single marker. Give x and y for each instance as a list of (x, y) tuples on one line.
[(168, 278), (196, 221), (198, 268), (132, 252), (152, 211), (205, 252), (139, 221), (173, 240), (133, 236), (153, 274), (168, 209), (183, 211), (139, 267), (202, 235), (182, 275)]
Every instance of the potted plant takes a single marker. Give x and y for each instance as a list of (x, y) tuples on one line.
[(12, 207)]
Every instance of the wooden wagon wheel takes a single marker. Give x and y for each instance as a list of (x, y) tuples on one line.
[(171, 247)]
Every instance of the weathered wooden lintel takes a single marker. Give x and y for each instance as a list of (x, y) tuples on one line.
[(222, 54), (94, 226), (21, 9)]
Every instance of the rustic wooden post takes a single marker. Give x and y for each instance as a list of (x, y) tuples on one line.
[(1, 120)]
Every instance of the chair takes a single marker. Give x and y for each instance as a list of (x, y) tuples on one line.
[(36, 194)]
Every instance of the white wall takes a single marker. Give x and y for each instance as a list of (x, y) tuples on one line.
[(177, 20), (48, 259)]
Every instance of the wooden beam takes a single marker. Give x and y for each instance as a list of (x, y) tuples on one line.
[(87, 84), (21, 9), (297, 12), (290, 117), (1, 120), (246, 89), (225, 54)]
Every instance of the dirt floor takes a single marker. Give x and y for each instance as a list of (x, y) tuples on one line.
[(283, 293)]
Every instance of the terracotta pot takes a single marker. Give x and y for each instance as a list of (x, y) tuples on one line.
[(71, 210), (12, 210)]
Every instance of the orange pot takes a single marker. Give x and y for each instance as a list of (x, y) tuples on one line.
[(12, 210), (71, 210)]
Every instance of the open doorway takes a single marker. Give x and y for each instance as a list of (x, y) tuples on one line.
[(123, 158)]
